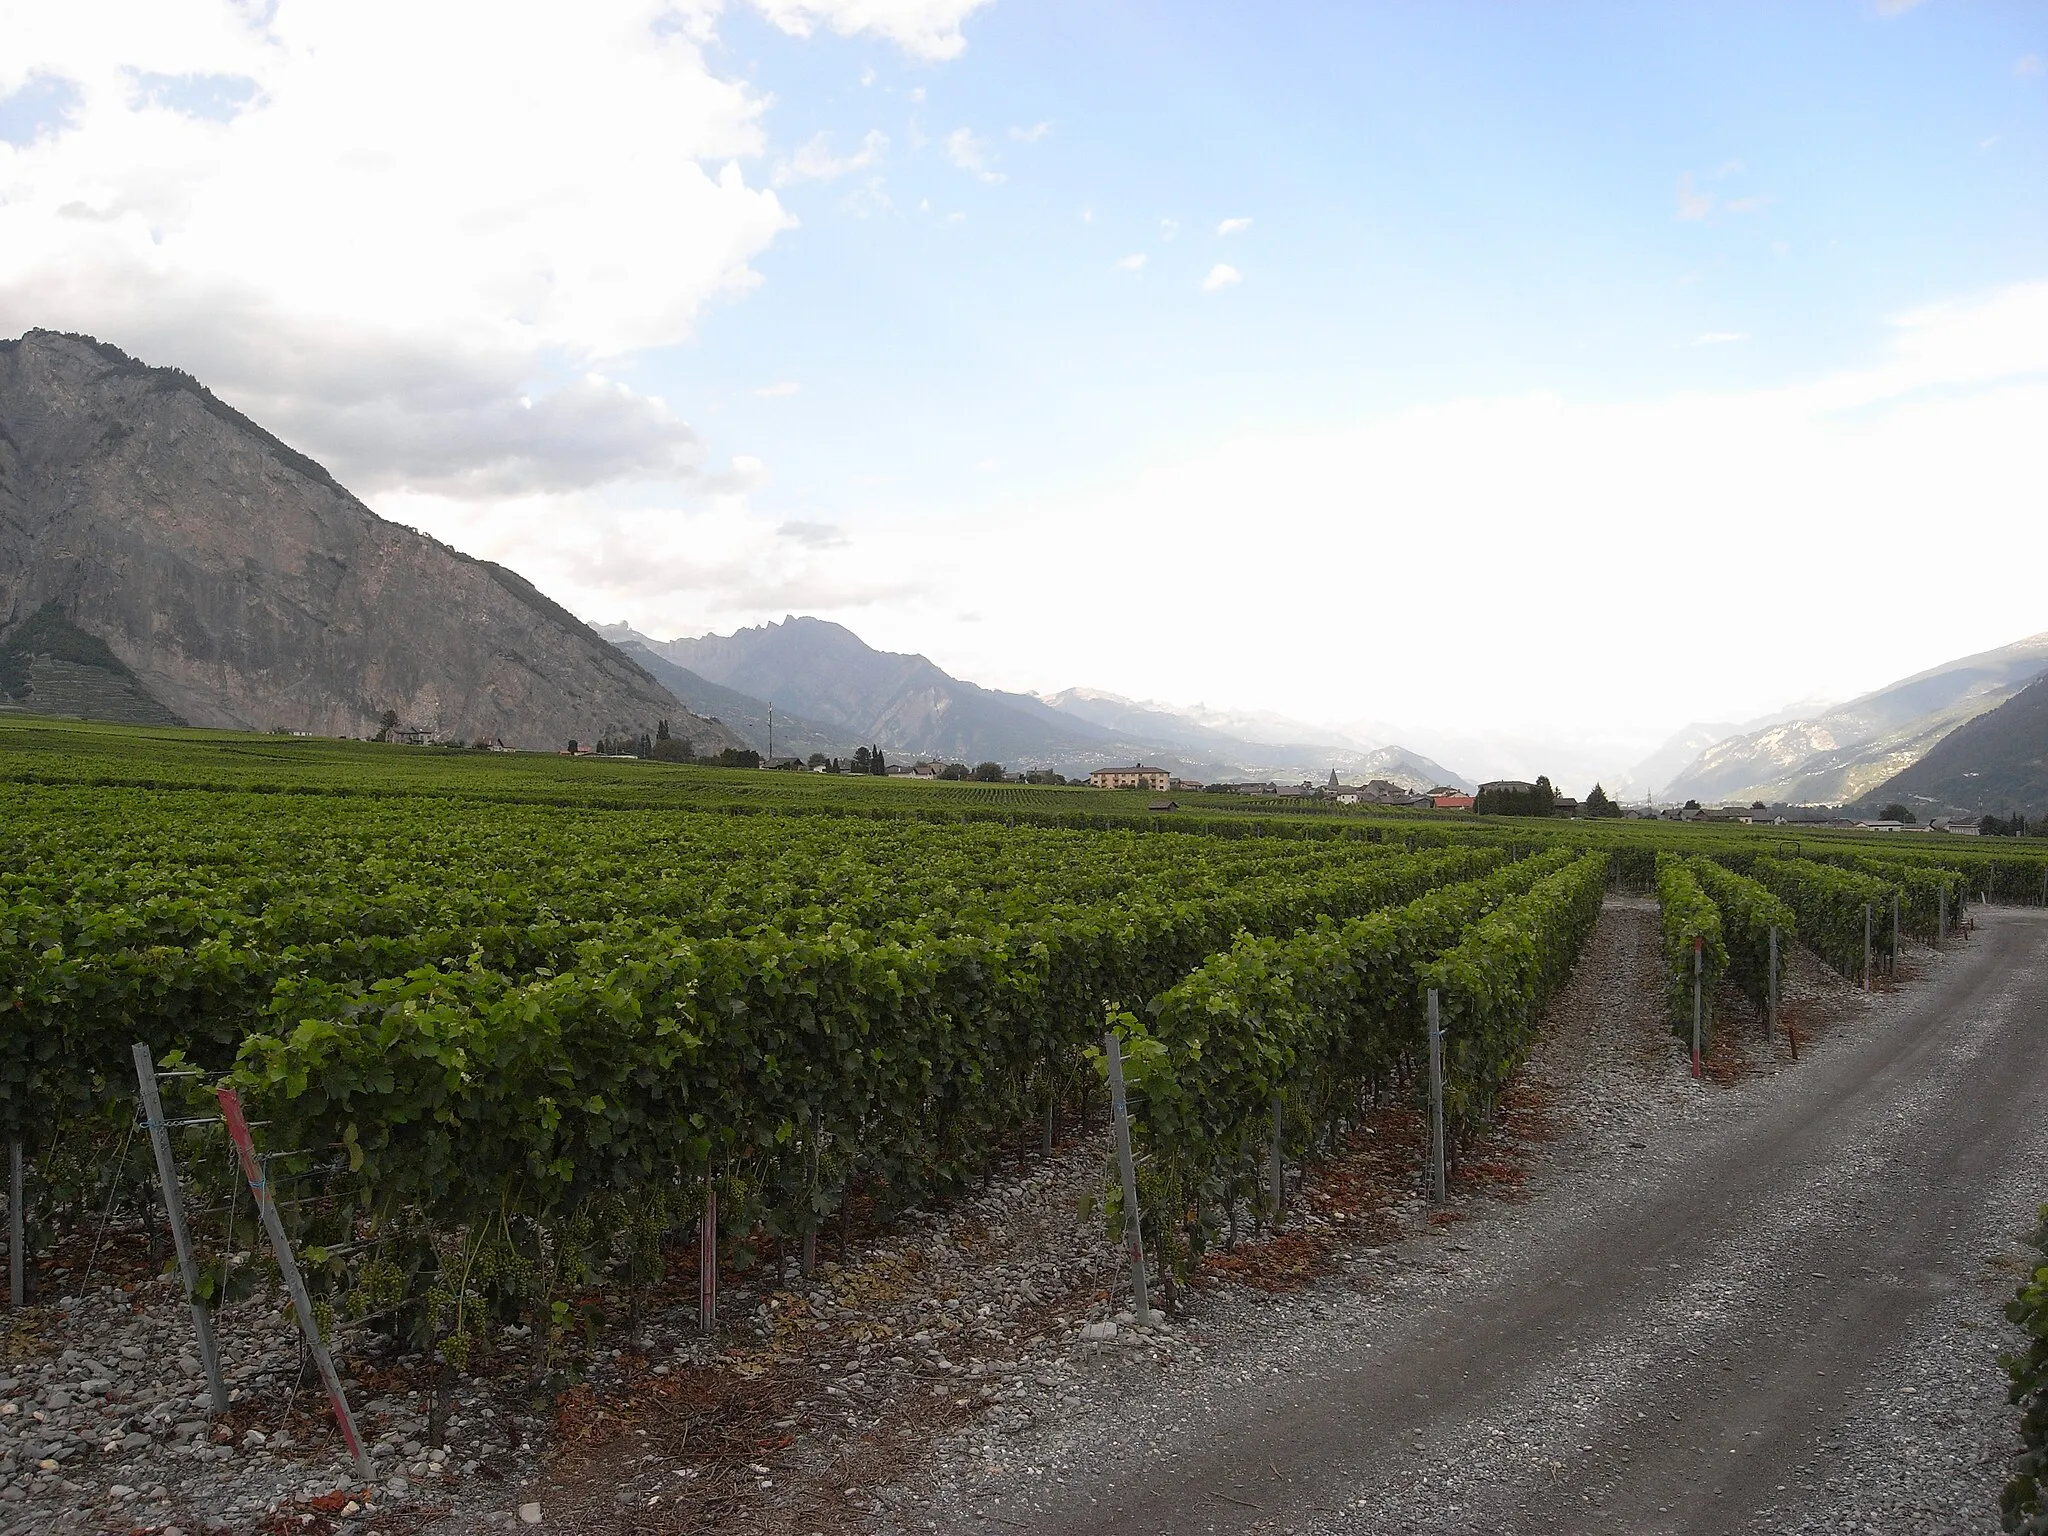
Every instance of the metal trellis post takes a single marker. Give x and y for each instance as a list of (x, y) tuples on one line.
[(1866, 945), (1771, 1017), (174, 1215), (1277, 1169), (707, 1259), (17, 1229), (1120, 1130), (1438, 1180), (1698, 968)]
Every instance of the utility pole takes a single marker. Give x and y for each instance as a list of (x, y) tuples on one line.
[(771, 735)]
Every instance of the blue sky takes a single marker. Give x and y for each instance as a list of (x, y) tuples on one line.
[(1444, 200), (1518, 382)]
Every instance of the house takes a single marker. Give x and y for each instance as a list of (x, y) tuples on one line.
[(1564, 805), (1163, 805), (925, 771), (1137, 776), (1507, 787), (1961, 826), (1451, 800), (1185, 786)]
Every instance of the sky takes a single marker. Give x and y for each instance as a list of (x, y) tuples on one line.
[(1513, 379)]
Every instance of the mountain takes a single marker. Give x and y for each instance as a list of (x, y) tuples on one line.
[(1261, 745), (791, 736), (161, 555), (1995, 764), (1839, 755), (826, 673), (835, 686)]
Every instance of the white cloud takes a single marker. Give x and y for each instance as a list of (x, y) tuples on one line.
[(2027, 64), (1718, 338), (1131, 263), (925, 29), (779, 391), (1221, 276), (381, 250), (814, 160), (1233, 226), (1895, 7), (970, 154), (1168, 228), (1692, 204), (1032, 134)]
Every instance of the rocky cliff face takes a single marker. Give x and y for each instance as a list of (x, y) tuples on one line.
[(240, 586)]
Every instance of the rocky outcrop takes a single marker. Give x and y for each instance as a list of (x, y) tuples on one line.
[(239, 586)]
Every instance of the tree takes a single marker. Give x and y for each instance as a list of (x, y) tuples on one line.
[(1597, 804), (1537, 800), (661, 731), (739, 757), (389, 721), (955, 772), (815, 760), (988, 773), (674, 749), (1896, 812), (876, 766), (1692, 805), (860, 760)]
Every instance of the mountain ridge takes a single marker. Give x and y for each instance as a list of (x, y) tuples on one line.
[(1839, 755), (241, 586)]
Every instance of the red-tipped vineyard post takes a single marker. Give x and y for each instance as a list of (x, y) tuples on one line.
[(294, 1283)]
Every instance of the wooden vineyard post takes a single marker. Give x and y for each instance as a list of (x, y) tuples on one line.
[(17, 1229), (707, 1259), (1866, 946), (1941, 918), (1438, 1179), (1277, 1170), (1120, 1132), (174, 1215), (1698, 969), (1771, 1016), (294, 1282)]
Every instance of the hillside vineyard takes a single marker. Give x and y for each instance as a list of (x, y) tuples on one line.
[(520, 1040)]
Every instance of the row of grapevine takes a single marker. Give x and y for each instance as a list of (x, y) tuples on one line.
[(1831, 906), (2024, 1502), (1317, 1021), (1690, 922), (1496, 982), (1748, 914), (184, 946)]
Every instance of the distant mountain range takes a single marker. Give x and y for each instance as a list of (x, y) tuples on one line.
[(1838, 755), (1995, 764), (832, 691), (164, 559)]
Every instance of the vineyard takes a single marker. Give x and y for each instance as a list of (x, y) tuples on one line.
[(506, 1023)]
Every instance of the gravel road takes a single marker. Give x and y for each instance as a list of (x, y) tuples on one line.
[(1766, 1306)]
